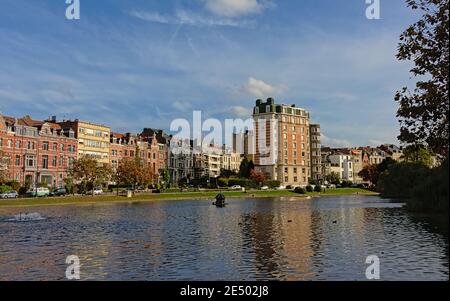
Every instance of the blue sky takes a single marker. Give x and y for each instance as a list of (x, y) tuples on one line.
[(143, 63)]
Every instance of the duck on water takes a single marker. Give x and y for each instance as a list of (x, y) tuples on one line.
[(220, 200)]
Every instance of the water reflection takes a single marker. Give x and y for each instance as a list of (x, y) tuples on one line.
[(255, 239)]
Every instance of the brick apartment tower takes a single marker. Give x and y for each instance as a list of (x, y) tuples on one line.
[(282, 142)]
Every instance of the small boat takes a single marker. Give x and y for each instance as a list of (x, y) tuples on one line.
[(220, 200)]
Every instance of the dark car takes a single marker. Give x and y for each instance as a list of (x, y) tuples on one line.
[(59, 192)]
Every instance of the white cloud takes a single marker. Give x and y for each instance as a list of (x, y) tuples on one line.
[(331, 142), (260, 88), (150, 16), (234, 8), (241, 112), (183, 17), (181, 105)]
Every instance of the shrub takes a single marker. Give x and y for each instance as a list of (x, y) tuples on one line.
[(223, 182), (5, 188), (346, 183), (300, 190), (309, 188), (272, 183), (317, 188), (14, 185), (399, 179), (22, 190)]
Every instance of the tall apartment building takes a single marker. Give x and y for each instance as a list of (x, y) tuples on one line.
[(316, 155), (282, 142), (36, 151), (93, 139)]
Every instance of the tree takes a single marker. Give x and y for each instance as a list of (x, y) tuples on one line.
[(258, 177), (132, 173), (3, 167), (90, 173), (165, 177), (423, 113), (245, 168), (333, 178), (370, 173), (226, 173), (417, 153)]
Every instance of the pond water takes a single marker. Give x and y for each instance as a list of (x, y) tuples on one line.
[(326, 238)]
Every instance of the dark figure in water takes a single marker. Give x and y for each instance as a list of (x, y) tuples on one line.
[(220, 200)]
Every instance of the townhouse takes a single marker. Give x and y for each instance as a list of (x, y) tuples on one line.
[(37, 152)]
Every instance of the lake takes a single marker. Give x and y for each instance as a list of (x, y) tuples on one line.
[(327, 238)]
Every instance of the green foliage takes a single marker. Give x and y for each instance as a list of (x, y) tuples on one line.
[(424, 111), (5, 188), (346, 184), (247, 183), (432, 194), (417, 153), (245, 168), (333, 178), (14, 185), (300, 190), (318, 188), (272, 183), (309, 188), (226, 173), (223, 182), (399, 179)]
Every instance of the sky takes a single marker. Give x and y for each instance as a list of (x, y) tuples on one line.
[(143, 63)]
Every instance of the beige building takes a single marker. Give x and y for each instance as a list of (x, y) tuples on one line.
[(282, 142), (93, 139)]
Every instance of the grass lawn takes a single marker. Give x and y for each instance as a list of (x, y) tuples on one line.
[(173, 196)]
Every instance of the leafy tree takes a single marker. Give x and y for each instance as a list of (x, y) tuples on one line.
[(3, 167), (417, 153), (165, 177), (423, 113), (333, 178), (370, 173), (132, 173), (258, 177), (89, 172), (245, 168), (226, 173)]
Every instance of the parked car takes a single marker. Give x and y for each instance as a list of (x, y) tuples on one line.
[(331, 186), (39, 192), (265, 188), (59, 192), (281, 187), (236, 187), (98, 191), (12, 194)]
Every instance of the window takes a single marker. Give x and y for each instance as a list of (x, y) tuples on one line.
[(54, 161), (45, 162), (17, 160), (30, 161), (61, 160), (55, 146), (45, 145)]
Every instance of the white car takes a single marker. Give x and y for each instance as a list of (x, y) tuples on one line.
[(265, 188), (280, 187), (98, 191), (236, 187), (9, 195)]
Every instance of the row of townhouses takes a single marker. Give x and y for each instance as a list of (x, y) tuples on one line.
[(283, 144)]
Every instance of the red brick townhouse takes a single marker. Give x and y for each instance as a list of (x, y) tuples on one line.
[(36, 151)]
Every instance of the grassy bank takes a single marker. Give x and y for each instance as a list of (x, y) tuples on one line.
[(172, 196)]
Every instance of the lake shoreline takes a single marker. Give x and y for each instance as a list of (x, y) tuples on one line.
[(175, 196)]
